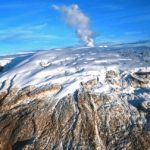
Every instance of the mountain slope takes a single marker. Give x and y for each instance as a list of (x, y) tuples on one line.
[(76, 98)]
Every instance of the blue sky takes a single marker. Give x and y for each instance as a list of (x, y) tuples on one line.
[(34, 25)]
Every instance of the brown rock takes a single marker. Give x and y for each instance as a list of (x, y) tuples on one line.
[(31, 121)]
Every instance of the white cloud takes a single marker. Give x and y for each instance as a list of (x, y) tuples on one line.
[(26, 32)]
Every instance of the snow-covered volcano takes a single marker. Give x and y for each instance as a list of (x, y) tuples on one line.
[(70, 67), (76, 98)]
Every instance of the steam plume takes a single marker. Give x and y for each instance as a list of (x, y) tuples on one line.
[(79, 21)]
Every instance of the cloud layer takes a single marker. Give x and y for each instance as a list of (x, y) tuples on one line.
[(74, 17), (26, 33)]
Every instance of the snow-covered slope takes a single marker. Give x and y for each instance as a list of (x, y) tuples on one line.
[(69, 67), (76, 98)]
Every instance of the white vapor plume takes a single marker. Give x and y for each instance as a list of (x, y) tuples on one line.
[(78, 20)]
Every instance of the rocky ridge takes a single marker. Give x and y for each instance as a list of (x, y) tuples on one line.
[(79, 102), (30, 120)]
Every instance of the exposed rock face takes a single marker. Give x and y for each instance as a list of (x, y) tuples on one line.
[(1, 68), (30, 120)]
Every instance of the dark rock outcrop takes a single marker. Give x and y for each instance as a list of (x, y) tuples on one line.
[(1, 68)]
